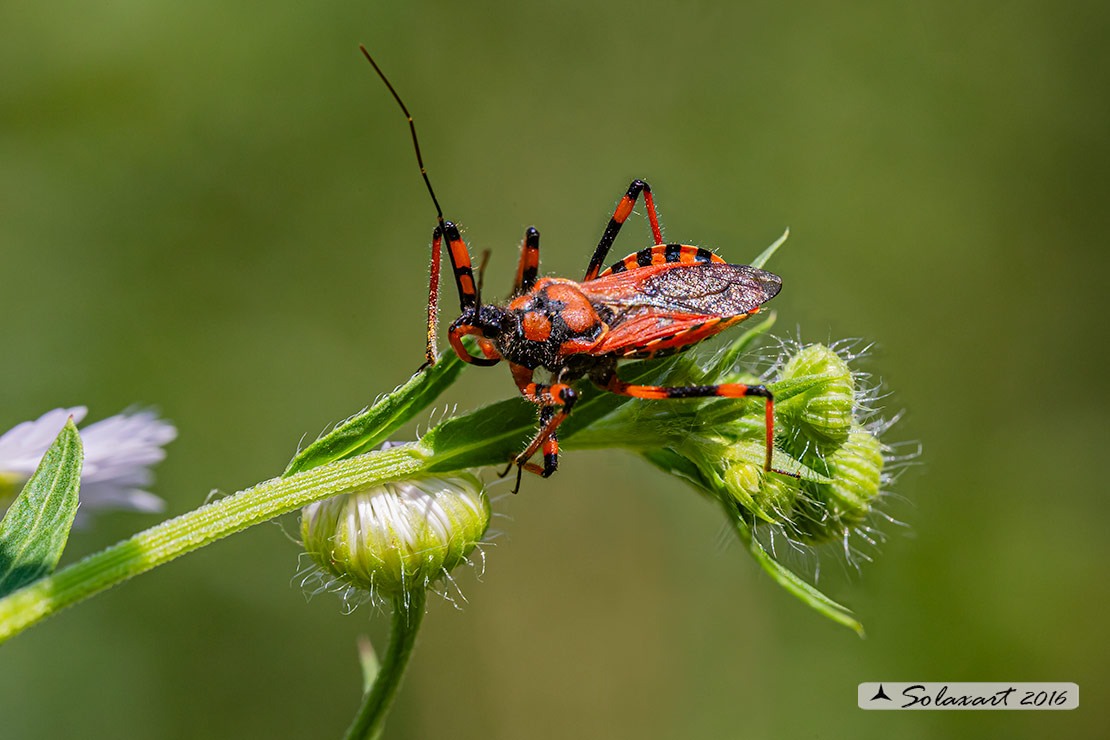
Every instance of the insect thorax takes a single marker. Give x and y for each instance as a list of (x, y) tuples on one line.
[(550, 323)]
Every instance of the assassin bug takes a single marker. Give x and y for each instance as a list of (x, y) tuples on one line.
[(658, 301)]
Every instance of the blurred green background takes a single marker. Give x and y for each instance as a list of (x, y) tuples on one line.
[(213, 208)]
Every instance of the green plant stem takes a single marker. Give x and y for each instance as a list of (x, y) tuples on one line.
[(407, 616), (194, 530)]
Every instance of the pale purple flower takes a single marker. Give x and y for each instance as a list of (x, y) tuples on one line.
[(119, 451)]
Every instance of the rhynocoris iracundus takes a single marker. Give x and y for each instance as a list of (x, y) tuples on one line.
[(658, 301)]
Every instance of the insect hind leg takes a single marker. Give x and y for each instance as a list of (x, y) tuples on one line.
[(614, 384), (528, 268), (620, 215)]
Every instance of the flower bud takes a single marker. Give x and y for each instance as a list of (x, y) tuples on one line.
[(819, 435), (399, 536), (828, 510), (769, 497), (821, 414)]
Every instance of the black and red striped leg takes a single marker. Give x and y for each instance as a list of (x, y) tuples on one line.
[(550, 451), (620, 215), (548, 396), (727, 390), (464, 281), (468, 299), (529, 267), (460, 264)]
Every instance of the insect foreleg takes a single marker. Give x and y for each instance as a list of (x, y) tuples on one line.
[(550, 396)]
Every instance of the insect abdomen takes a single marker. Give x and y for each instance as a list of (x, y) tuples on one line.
[(662, 254)]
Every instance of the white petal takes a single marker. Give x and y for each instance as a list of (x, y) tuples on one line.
[(22, 446), (118, 453), (120, 447), (109, 496)]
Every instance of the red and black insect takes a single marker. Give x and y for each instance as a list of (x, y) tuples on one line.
[(658, 301)]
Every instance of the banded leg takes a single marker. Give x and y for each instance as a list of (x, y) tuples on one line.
[(460, 264), (614, 384), (549, 396), (468, 298), (464, 281), (619, 216), (550, 451), (528, 268)]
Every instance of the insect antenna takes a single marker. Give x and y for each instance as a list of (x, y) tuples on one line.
[(412, 128)]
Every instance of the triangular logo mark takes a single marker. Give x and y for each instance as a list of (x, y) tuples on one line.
[(881, 694)]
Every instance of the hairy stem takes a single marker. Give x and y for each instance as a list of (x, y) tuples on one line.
[(175, 537)]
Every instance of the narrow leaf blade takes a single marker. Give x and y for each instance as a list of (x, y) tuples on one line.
[(36, 527), (791, 581), (766, 254), (671, 462), (494, 434), (726, 359), (366, 430), (368, 659)]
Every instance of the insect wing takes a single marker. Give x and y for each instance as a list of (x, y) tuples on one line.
[(671, 306), (711, 289), (650, 334)]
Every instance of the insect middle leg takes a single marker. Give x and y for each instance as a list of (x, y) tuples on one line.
[(619, 216), (549, 397), (614, 384)]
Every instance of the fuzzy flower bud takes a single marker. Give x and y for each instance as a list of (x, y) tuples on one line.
[(397, 537), (770, 497), (829, 463), (822, 414), (820, 433), (828, 510)]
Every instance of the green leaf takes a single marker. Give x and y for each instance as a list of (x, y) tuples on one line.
[(490, 435), (671, 462), (35, 529), (790, 580), (494, 434), (755, 452), (724, 362), (677, 465), (765, 255), (368, 429), (785, 390), (368, 659)]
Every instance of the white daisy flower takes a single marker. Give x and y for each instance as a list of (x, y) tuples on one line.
[(119, 451)]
